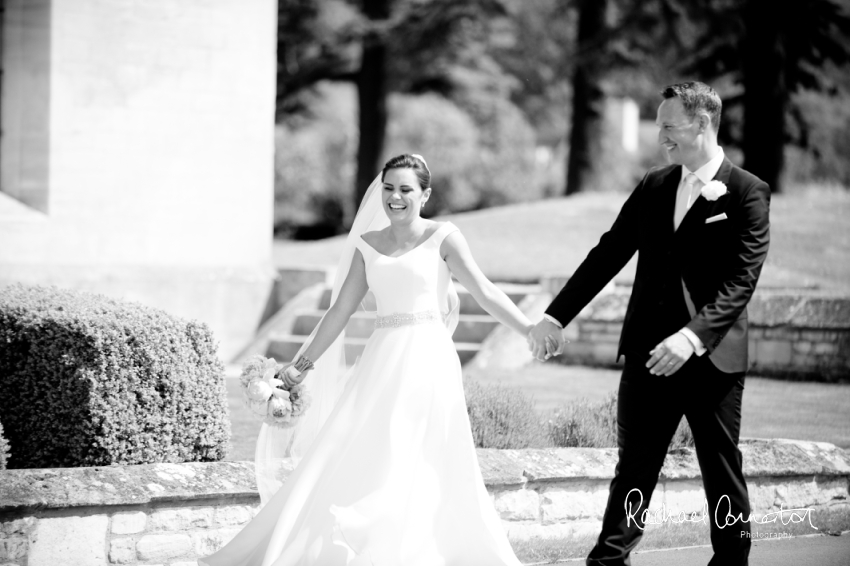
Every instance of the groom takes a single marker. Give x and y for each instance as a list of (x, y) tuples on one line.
[(701, 228)]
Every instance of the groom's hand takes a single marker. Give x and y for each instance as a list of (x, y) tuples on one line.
[(545, 332), (670, 355)]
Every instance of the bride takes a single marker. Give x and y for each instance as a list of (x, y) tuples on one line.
[(388, 474)]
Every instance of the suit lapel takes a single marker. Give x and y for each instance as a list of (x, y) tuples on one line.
[(694, 216), (699, 210)]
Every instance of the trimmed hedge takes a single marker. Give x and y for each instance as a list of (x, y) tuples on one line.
[(4, 449), (506, 418), (585, 424), (91, 381), (503, 417)]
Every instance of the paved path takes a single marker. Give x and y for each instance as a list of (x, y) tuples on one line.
[(799, 551)]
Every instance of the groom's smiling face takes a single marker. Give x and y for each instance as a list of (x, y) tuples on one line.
[(678, 133)]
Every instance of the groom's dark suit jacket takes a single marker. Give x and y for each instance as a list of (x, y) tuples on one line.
[(719, 263)]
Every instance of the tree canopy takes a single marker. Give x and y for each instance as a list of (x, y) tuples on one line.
[(559, 61), (772, 50)]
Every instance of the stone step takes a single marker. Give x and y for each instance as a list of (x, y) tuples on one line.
[(283, 348), (474, 327), (360, 325), (470, 327), (474, 324), (468, 304), (516, 293)]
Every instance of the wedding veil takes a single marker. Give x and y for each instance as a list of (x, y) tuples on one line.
[(279, 449)]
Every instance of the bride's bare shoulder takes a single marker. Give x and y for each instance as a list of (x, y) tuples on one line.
[(435, 225), (374, 238)]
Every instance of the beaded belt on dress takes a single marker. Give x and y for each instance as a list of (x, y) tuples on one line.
[(407, 318)]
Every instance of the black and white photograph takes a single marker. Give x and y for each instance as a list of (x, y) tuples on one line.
[(424, 282)]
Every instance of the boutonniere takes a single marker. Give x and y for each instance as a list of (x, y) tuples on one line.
[(713, 190)]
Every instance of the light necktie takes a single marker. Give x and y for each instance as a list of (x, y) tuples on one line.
[(685, 198)]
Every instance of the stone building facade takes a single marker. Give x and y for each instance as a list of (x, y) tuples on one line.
[(136, 154)]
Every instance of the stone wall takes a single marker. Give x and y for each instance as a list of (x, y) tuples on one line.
[(151, 514), (172, 513), (801, 335), (561, 493), (290, 281)]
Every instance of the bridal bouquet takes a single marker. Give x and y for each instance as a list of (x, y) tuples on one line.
[(263, 394)]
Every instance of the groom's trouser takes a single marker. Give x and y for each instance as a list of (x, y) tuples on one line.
[(649, 409)]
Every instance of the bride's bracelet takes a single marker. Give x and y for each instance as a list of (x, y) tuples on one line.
[(303, 364)]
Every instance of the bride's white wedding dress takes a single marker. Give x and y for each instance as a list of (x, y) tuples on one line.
[(392, 479)]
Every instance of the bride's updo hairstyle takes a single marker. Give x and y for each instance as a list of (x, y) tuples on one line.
[(410, 161)]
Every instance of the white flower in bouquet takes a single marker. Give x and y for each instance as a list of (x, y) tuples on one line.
[(280, 409), (257, 367), (269, 376), (300, 399), (281, 394), (259, 390), (264, 395)]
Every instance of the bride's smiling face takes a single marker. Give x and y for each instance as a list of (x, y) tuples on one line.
[(403, 195)]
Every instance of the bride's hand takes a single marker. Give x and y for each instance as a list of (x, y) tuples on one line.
[(300, 379), (545, 340), (290, 376)]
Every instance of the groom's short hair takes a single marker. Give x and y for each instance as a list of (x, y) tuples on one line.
[(696, 97)]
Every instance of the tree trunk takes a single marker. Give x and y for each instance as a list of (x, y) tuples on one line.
[(765, 93), (588, 98), (372, 94)]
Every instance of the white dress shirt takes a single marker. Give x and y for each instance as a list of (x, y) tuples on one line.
[(704, 174), (707, 172)]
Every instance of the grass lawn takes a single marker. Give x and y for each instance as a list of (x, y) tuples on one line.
[(810, 238), (772, 409)]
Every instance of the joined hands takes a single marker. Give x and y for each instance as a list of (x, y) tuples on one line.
[(546, 339)]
